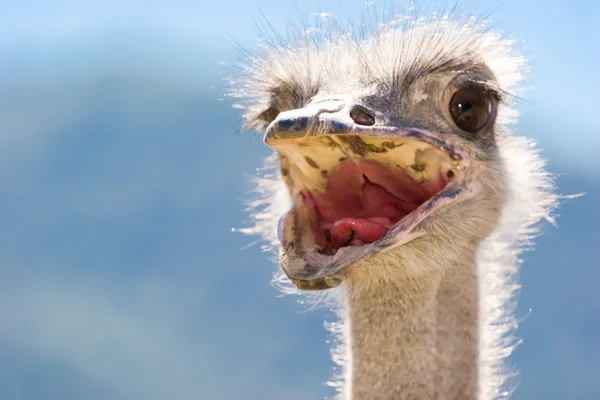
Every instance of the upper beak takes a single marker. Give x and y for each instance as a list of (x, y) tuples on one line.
[(314, 139), (338, 118)]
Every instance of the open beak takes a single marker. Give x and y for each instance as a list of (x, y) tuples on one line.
[(359, 189)]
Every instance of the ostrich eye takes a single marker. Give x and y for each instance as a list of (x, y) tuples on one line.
[(470, 108), (269, 114)]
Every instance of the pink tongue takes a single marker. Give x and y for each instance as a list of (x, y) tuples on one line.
[(362, 201), (364, 230), (350, 194)]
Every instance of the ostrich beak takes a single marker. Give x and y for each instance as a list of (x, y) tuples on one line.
[(358, 190)]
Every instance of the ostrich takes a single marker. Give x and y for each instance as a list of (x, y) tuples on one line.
[(398, 183)]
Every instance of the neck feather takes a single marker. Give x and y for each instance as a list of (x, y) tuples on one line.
[(415, 339)]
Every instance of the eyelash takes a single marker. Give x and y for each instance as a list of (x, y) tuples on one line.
[(488, 87)]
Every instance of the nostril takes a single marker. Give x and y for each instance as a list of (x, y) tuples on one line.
[(360, 116)]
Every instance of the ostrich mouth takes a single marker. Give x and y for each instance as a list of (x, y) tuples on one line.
[(357, 196)]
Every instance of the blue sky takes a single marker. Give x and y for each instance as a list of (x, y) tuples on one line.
[(121, 176)]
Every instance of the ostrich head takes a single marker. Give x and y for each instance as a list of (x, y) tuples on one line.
[(388, 145), (406, 188)]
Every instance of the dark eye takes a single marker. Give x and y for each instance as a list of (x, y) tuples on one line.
[(269, 114), (470, 108)]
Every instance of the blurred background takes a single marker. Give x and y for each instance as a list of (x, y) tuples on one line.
[(121, 177)]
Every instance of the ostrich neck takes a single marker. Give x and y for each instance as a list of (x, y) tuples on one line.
[(415, 339)]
